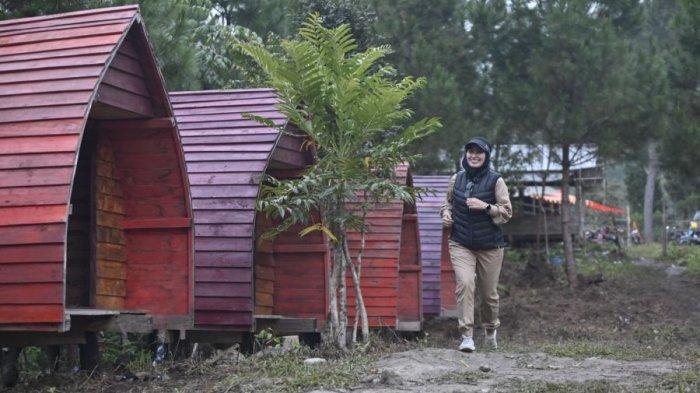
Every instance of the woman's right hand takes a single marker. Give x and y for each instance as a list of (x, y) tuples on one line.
[(447, 219)]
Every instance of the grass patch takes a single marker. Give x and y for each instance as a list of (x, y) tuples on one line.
[(568, 387), (288, 373), (620, 350), (684, 381), (686, 256)]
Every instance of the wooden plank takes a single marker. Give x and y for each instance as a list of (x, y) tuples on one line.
[(107, 39), (219, 318), (31, 253), (161, 123), (39, 144), (158, 223), (286, 326), (224, 290), (33, 215), (32, 234), (234, 259), (36, 177), (31, 293), (42, 160), (75, 84), (45, 100), (223, 244), (76, 71), (30, 313), (223, 304), (45, 127), (224, 230), (31, 273), (126, 81), (126, 100), (300, 248), (222, 275)]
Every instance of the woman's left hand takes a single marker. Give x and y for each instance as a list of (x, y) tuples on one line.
[(476, 204)]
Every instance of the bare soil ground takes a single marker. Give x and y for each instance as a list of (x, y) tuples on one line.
[(636, 330)]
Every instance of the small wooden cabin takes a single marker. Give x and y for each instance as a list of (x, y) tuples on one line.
[(430, 228), (391, 266), (242, 284), (95, 219)]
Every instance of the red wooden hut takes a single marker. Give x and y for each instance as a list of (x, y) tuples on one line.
[(94, 208), (242, 284), (391, 265), (431, 238)]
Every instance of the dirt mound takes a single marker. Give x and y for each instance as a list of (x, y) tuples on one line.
[(441, 370)]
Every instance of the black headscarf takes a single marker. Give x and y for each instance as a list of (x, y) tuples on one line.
[(483, 144)]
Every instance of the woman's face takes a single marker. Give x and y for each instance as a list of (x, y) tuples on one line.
[(475, 157)]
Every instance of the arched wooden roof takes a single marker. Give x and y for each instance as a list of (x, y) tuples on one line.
[(430, 227), (227, 155), (52, 70)]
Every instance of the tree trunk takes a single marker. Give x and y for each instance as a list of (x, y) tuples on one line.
[(651, 170), (331, 332), (342, 293), (360, 309), (566, 217)]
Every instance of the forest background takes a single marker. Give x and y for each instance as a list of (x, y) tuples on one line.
[(620, 74)]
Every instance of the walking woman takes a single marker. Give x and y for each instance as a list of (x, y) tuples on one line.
[(477, 203)]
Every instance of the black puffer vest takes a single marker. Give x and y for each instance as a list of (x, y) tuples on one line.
[(473, 228)]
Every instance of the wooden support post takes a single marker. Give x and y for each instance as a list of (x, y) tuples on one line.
[(90, 352), (8, 366)]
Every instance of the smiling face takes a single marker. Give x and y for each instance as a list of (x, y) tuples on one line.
[(475, 156)]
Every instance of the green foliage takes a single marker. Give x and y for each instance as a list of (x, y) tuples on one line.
[(358, 15), (354, 115), (122, 353), (288, 373)]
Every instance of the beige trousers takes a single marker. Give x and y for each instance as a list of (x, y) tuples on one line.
[(485, 267)]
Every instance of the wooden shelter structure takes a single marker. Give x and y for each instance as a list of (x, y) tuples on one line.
[(391, 264), (241, 283), (434, 238), (95, 220), (430, 228)]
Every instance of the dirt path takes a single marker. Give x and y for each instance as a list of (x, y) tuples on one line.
[(445, 370)]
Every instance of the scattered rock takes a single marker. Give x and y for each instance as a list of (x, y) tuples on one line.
[(142, 376), (391, 378), (271, 351), (312, 361), (484, 369)]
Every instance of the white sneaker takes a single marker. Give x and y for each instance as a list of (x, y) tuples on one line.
[(467, 344), (490, 340)]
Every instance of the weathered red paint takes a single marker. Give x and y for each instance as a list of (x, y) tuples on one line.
[(430, 225), (391, 267), (83, 167), (237, 277)]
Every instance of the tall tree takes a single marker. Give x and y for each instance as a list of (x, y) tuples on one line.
[(354, 114), (569, 84), (430, 40)]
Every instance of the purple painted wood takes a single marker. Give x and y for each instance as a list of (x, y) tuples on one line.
[(226, 156), (430, 227)]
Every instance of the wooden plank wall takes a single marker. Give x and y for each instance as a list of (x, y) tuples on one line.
[(110, 241), (226, 156), (157, 224), (380, 265), (410, 289), (430, 227), (79, 245), (49, 68), (301, 274), (448, 283), (125, 85)]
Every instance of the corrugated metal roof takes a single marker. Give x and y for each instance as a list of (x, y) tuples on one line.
[(226, 156), (430, 227), (50, 68)]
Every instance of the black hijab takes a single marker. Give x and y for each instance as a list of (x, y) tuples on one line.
[(476, 173)]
